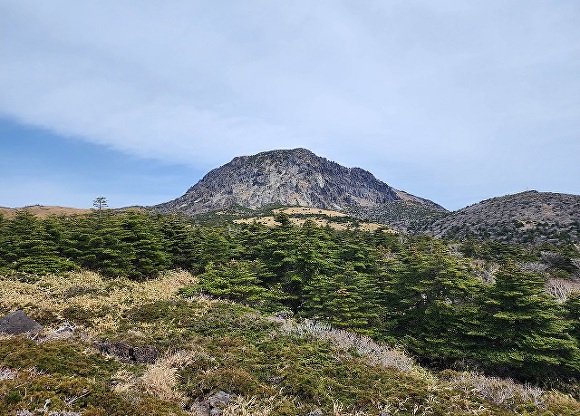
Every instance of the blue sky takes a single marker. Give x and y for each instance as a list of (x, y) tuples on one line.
[(449, 100)]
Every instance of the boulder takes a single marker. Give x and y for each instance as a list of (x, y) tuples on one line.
[(129, 354), (212, 405), (18, 322)]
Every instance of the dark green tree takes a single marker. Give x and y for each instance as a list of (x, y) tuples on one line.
[(180, 241), (572, 311), (345, 300), (146, 243), (526, 335), (238, 281), (98, 244), (30, 245), (428, 301)]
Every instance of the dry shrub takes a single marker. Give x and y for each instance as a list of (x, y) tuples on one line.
[(503, 392), (124, 381), (338, 410), (7, 373), (559, 400), (484, 270), (161, 379), (243, 406), (533, 267), (561, 289), (375, 353)]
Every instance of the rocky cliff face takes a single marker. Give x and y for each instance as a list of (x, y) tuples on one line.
[(287, 177)]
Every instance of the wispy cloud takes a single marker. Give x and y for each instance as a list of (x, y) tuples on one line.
[(437, 83)]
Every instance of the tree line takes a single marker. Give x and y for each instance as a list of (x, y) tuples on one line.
[(403, 290)]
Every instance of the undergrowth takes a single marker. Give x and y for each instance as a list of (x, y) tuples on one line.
[(269, 366)]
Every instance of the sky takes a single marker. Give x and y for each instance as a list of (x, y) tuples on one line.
[(136, 101)]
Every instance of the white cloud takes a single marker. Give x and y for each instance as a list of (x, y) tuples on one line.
[(199, 82)]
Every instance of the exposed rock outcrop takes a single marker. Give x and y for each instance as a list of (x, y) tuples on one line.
[(287, 177)]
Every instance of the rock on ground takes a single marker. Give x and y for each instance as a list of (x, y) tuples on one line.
[(18, 322)]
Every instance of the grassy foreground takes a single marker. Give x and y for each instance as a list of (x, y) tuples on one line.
[(269, 365)]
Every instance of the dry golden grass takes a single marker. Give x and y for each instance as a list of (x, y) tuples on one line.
[(310, 211), (243, 406), (161, 379), (44, 211), (269, 221), (88, 290)]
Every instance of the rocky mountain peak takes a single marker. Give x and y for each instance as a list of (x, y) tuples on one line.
[(295, 177)]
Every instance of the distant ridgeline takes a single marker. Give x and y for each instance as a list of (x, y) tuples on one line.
[(527, 218), (483, 304)]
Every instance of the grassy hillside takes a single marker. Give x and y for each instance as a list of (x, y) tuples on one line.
[(204, 352), (43, 211)]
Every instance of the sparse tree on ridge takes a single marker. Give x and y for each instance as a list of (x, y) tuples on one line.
[(100, 203)]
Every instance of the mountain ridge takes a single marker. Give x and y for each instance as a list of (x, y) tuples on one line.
[(528, 217), (290, 177)]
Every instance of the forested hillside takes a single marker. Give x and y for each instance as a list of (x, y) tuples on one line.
[(482, 305)]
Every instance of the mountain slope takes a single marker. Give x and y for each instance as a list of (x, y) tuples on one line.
[(291, 178), (202, 350), (528, 217)]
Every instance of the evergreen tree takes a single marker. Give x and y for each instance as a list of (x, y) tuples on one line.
[(179, 240), (238, 281), (572, 313), (315, 251), (345, 300), (525, 331), (147, 245), (30, 245), (429, 303), (100, 246), (280, 253), (211, 245), (358, 252)]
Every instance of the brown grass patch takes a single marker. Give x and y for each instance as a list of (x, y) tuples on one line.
[(43, 211)]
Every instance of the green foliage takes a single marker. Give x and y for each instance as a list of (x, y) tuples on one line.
[(239, 281), (572, 308), (524, 330), (49, 357), (396, 288), (61, 377), (345, 300), (429, 302), (128, 244)]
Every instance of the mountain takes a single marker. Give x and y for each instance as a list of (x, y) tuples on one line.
[(295, 177), (528, 217)]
